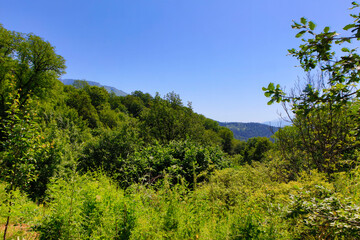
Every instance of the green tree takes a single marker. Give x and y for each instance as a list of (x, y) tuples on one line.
[(80, 100), (256, 148), (133, 104), (20, 149), (167, 119), (292, 157), (145, 97), (109, 151), (31, 60), (116, 103), (210, 124), (98, 95), (323, 119), (227, 139), (174, 99)]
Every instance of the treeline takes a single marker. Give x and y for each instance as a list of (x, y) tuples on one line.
[(61, 129)]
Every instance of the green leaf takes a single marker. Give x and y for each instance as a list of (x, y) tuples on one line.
[(326, 29), (300, 34), (270, 102), (312, 25), (355, 5), (345, 49), (347, 27), (291, 51), (271, 87), (295, 25), (303, 20)]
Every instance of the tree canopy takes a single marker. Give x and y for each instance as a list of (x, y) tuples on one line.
[(31, 60), (324, 108)]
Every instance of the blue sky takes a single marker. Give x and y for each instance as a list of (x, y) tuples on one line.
[(218, 54)]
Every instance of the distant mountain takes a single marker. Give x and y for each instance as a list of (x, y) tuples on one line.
[(108, 88), (278, 123), (244, 131)]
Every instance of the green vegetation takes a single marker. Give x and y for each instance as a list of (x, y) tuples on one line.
[(88, 164), (108, 88), (244, 131)]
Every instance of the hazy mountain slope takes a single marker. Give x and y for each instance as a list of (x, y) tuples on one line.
[(278, 123), (244, 131), (91, 83)]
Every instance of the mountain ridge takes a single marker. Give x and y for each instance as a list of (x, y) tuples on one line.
[(92, 83), (244, 131)]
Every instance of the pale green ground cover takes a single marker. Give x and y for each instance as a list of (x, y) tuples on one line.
[(238, 203)]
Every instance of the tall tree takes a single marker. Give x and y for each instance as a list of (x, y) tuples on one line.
[(31, 61), (324, 114), (19, 151)]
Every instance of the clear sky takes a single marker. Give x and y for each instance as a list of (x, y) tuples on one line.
[(218, 54)]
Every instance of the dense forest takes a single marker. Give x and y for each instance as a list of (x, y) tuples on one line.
[(91, 83), (78, 162), (245, 131)]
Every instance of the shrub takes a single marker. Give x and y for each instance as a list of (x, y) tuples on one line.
[(86, 207)]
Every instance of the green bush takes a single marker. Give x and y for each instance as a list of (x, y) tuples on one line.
[(23, 212), (320, 212), (86, 207)]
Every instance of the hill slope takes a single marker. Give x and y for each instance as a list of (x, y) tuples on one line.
[(91, 83), (244, 131)]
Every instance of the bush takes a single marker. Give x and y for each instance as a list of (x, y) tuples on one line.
[(23, 213), (86, 207), (322, 213)]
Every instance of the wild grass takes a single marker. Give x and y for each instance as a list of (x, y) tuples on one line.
[(240, 203)]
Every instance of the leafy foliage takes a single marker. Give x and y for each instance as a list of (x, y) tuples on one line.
[(144, 167), (22, 146), (120, 159), (86, 208), (321, 213), (324, 118), (31, 61)]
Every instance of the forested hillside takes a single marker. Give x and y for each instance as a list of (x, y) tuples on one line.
[(244, 131), (78, 162), (91, 83)]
